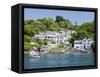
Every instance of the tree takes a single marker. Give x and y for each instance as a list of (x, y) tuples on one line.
[(69, 24), (72, 39), (79, 35), (29, 30), (27, 38), (62, 24), (33, 27), (29, 22), (46, 21), (53, 27), (27, 43), (59, 18), (88, 27)]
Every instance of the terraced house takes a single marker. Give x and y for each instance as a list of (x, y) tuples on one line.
[(55, 37), (83, 44)]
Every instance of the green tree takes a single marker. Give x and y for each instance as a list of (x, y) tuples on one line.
[(53, 27), (27, 43), (89, 28), (59, 19), (29, 22), (72, 39), (63, 24), (46, 21)]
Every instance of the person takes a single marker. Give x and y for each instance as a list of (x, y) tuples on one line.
[(34, 51)]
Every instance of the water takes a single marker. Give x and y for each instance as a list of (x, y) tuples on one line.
[(59, 60)]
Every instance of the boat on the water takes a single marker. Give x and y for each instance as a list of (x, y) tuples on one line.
[(34, 55)]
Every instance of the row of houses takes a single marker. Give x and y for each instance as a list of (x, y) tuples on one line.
[(62, 38), (56, 37), (83, 44)]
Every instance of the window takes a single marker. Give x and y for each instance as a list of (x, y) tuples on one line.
[(88, 40), (77, 46), (84, 40)]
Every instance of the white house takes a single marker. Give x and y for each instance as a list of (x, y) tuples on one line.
[(78, 44), (41, 37), (55, 37), (83, 44)]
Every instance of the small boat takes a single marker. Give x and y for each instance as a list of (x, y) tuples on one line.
[(34, 55)]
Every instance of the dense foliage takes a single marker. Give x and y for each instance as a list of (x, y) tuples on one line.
[(86, 30), (32, 27)]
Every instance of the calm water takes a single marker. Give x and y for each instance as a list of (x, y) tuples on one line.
[(59, 60)]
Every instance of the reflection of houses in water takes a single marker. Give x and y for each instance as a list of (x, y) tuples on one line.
[(84, 44)]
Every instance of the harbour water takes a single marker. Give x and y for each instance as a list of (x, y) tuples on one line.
[(59, 60)]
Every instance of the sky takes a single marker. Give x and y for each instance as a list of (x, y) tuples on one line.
[(74, 16)]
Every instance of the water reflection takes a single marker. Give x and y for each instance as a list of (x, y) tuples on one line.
[(59, 60)]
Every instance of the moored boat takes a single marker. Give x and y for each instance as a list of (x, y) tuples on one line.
[(34, 55)]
